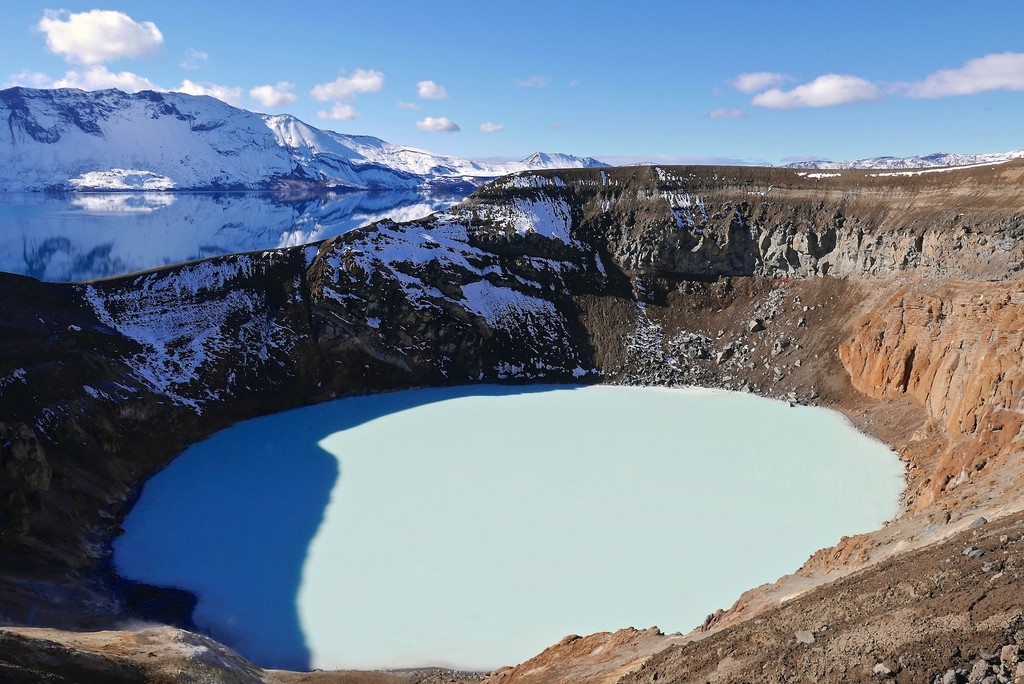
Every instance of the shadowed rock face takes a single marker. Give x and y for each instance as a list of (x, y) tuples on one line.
[(621, 275)]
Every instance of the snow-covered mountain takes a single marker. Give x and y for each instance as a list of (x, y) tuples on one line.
[(927, 161), (70, 139), (306, 142)]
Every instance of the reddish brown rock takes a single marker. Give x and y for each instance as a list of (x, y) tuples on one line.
[(957, 349), (601, 658)]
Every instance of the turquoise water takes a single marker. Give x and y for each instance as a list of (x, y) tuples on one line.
[(474, 527)]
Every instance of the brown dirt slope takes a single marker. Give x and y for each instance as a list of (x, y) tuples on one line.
[(601, 658), (918, 615)]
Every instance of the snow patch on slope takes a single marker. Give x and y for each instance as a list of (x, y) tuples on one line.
[(927, 161), (426, 256), (121, 179), (505, 308), (683, 205), (939, 170), (547, 217), (180, 320)]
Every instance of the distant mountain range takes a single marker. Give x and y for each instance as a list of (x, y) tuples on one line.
[(927, 161), (73, 140), (68, 140)]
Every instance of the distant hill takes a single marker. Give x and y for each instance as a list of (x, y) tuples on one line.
[(927, 161)]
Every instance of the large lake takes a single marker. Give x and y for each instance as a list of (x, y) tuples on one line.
[(82, 236), (473, 527)]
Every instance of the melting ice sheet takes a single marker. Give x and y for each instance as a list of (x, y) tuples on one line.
[(68, 237), (474, 527)]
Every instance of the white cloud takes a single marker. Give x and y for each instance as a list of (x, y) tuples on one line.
[(339, 112), (491, 127), (757, 81), (992, 72), (98, 36), (408, 105), (829, 90), (532, 82), (441, 125), (223, 93), (429, 90), (99, 78), (193, 59), (727, 114), (29, 79), (274, 96), (560, 126), (347, 87)]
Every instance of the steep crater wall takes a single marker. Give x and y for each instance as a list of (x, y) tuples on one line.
[(715, 276)]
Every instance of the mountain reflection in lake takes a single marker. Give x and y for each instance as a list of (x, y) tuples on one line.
[(73, 237)]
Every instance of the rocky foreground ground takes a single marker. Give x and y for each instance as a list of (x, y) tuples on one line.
[(894, 298)]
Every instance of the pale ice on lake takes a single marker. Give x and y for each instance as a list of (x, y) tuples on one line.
[(473, 527)]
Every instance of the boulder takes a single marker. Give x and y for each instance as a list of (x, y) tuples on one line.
[(23, 457), (979, 672)]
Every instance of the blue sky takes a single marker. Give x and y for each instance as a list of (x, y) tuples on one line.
[(622, 81)]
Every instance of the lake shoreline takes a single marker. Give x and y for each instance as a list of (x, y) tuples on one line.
[(562, 453)]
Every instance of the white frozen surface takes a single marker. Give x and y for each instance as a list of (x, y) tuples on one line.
[(474, 527)]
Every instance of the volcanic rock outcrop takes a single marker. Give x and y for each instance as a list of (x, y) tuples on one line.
[(893, 297), (957, 351)]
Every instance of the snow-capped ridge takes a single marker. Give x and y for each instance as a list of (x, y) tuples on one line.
[(544, 160), (73, 140), (937, 159)]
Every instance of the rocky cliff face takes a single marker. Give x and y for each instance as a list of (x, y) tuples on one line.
[(957, 350), (836, 290), (775, 223)]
